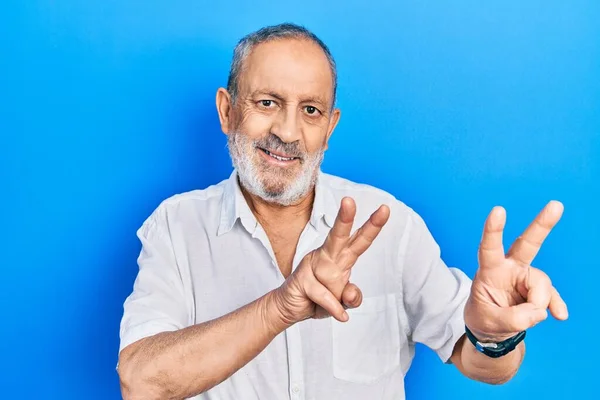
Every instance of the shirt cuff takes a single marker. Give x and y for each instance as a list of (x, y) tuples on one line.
[(456, 326)]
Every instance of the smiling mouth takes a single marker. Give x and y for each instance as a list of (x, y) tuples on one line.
[(277, 156)]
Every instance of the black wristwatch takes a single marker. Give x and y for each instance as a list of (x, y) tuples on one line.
[(495, 350)]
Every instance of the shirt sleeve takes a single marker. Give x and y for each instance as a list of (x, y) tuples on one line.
[(157, 302), (434, 295)]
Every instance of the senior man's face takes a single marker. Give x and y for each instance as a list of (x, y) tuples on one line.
[(279, 125)]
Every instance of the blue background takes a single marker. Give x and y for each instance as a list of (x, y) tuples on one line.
[(107, 107)]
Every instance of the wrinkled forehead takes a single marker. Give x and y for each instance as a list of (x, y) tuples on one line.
[(293, 68)]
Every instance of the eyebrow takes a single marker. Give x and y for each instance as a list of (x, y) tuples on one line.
[(315, 99), (270, 93)]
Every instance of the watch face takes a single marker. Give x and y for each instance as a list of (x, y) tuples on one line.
[(489, 350)]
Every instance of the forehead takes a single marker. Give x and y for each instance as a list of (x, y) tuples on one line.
[(292, 67)]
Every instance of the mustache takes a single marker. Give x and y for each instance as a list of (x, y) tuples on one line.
[(274, 143)]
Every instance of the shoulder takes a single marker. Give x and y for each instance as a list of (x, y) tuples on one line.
[(195, 205)]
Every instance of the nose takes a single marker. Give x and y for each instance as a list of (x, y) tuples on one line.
[(286, 126)]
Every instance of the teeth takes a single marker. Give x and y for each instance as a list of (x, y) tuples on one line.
[(278, 157)]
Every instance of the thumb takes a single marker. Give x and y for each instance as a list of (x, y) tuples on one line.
[(351, 296), (521, 317)]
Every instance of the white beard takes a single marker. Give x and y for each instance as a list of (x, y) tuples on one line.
[(242, 149)]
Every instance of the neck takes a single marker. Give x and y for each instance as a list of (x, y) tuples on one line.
[(269, 214)]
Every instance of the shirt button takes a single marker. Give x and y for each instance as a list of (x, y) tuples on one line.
[(295, 389)]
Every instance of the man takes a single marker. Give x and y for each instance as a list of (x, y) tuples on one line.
[(244, 288)]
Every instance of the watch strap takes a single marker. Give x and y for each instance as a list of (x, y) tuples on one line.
[(495, 350)]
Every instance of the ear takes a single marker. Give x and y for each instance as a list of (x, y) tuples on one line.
[(224, 109), (333, 121)]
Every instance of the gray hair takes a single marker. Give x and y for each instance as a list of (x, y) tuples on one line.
[(266, 34)]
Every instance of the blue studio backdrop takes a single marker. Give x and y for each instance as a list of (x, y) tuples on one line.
[(107, 108)]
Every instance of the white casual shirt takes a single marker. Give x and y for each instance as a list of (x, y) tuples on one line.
[(204, 255)]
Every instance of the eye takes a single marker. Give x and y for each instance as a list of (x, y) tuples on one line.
[(311, 110), (267, 103)]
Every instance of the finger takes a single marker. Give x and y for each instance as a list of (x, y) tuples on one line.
[(338, 235), (526, 247), (366, 234), (512, 320), (491, 250), (539, 288), (319, 295), (351, 296), (558, 307)]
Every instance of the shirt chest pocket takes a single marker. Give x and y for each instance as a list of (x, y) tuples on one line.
[(368, 345)]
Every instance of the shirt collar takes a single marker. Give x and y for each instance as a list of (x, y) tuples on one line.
[(234, 206), (324, 207)]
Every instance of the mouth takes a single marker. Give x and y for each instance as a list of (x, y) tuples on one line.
[(278, 158)]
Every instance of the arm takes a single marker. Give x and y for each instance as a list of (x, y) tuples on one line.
[(480, 367), (183, 363), (162, 356)]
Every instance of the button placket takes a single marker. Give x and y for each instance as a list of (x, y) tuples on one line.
[(295, 362)]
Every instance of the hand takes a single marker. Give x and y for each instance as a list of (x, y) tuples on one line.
[(508, 295), (320, 284)]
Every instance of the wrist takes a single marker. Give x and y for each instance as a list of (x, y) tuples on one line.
[(494, 346), (487, 337), (476, 323), (274, 316)]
